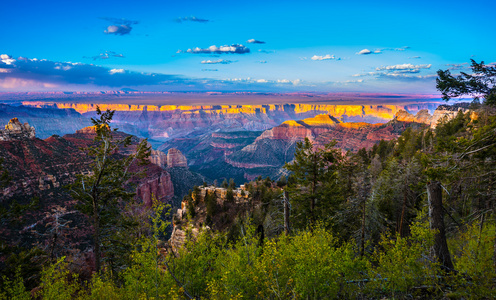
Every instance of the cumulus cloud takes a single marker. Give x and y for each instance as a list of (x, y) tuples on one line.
[(6, 59), (400, 71), (219, 61), (118, 29), (191, 19), (404, 67), (105, 55), (265, 81), (366, 74), (263, 61), (115, 71), (325, 57), (406, 77), (119, 26), (45, 73), (367, 52), (379, 51), (233, 49), (364, 52), (253, 41)]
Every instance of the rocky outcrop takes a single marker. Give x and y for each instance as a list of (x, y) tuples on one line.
[(228, 211), (176, 159), (447, 112), (47, 121), (15, 130), (274, 147), (159, 187), (289, 130), (442, 112), (158, 157)]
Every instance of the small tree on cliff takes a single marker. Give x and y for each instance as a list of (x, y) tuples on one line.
[(102, 193)]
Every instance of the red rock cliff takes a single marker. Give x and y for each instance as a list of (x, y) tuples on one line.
[(176, 159), (161, 187)]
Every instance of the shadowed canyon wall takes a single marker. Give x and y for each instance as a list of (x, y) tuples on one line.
[(161, 123)]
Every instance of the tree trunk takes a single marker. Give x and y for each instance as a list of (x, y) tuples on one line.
[(405, 194), (362, 246), (96, 235), (286, 212), (314, 189), (436, 220)]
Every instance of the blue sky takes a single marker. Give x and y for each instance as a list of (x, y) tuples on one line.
[(308, 45)]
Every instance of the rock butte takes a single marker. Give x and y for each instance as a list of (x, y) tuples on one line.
[(15, 130)]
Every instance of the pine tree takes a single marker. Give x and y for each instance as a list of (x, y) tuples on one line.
[(102, 194), (480, 83), (314, 186)]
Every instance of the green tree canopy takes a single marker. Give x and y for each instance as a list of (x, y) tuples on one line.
[(481, 83), (315, 173), (102, 194)]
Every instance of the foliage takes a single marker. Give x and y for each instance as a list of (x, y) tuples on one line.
[(480, 83), (102, 194), (14, 289), (314, 192), (404, 263), (474, 259), (58, 283)]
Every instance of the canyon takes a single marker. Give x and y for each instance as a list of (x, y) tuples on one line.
[(40, 169), (160, 123), (245, 141), (208, 143)]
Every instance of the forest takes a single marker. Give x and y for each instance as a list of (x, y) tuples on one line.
[(408, 218)]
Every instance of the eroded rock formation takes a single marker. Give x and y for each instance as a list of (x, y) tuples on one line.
[(161, 123), (15, 130), (159, 187), (176, 159), (442, 112)]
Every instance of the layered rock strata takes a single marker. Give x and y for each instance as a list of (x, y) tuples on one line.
[(176, 159), (15, 130)]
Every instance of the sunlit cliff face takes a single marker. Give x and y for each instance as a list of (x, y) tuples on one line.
[(385, 112), (171, 121)]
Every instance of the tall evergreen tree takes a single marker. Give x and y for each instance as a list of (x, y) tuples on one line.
[(313, 191), (102, 194)]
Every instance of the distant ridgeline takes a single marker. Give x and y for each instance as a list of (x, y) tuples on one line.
[(161, 123)]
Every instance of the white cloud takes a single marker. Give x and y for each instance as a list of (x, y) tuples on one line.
[(404, 67), (118, 29), (219, 61), (364, 52), (235, 48), (366, 74), (7, 59), (254, 41), (265, 81), (117, 71), (325, 57)]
